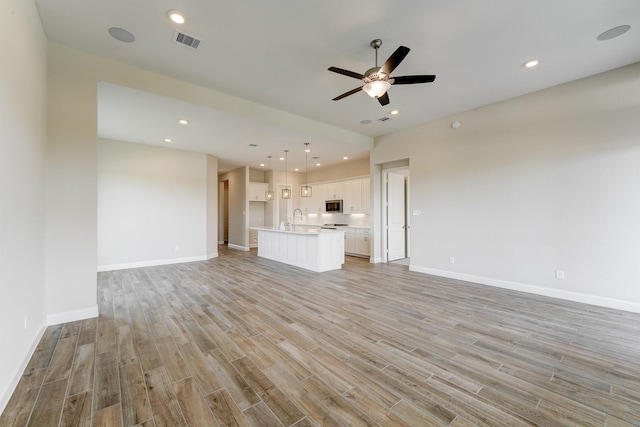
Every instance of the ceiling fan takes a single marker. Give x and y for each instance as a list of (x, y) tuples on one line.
[(377, 79)]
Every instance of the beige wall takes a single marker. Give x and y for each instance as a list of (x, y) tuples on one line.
[(348, 169), (256, 175), (23, 79), (154, 205), (525, 187)]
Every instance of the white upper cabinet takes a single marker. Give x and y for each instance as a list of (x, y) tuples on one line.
[(334, 191), (257, 191), (355, 195), (365, 206), (315, 203)]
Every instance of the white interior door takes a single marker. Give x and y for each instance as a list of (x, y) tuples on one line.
[(396, 229)]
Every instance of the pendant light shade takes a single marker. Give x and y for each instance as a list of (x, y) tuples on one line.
[(286, 191), (269, 195), (306, 190)]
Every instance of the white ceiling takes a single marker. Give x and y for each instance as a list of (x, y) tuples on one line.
[(277, 52)]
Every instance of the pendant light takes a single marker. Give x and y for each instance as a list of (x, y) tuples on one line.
[(269, 195), (286, 191), (306, 190)]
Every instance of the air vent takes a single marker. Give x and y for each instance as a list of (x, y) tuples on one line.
[(384, 119), (186, 39), (253, 145)]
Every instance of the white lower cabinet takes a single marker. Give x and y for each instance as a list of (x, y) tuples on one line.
[(314, 250), (356, 242), (350, 241), (363, 246)]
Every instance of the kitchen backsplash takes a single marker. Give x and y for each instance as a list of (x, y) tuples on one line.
[(353, 220)]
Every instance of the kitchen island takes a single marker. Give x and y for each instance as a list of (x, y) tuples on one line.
[(314, 249)]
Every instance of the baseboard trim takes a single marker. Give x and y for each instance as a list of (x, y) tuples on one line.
[(72, 316), (532, 289), (4, 399), (376, 260), (152, 263), (238, 247), (213, 255)]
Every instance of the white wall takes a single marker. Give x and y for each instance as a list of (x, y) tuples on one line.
[(544, 182), (23, 78), (152, 205)]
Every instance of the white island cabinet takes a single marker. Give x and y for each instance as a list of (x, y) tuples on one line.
[(314, 249)]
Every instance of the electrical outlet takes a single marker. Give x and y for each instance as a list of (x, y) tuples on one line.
[(452, 260), (417, 212), (559, 274)]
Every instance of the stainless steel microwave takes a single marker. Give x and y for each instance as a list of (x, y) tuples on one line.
[(333, 206)]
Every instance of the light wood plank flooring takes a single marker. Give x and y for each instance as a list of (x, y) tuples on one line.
[(242, 341)]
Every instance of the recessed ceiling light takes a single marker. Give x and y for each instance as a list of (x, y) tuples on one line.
[(345, 158), (168, 140), (532, 63), (456, 125), (281, 158), (612, 33), (296, 170), (262, 164), (307, 150), (183, 121), (176, 16), (365, 122), (317, 164), (394, 112), (122, 35)]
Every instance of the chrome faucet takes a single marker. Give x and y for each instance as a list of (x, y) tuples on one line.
[(294, 216)]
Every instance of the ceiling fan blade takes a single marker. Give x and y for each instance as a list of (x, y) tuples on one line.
[(384, 99), (409, 80), (346, 73), (394, 60), (344, 95)]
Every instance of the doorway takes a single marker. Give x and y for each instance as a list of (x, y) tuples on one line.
[(223, 213), (396, 196)]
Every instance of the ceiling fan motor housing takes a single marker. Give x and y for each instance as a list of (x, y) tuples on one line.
[(374, 74)]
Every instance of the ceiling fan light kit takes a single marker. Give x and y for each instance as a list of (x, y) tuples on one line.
[(377, 80), (376, 89)]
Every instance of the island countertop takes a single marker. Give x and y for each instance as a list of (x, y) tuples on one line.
[(298, 230)]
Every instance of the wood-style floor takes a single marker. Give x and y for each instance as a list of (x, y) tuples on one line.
[(239, 340)]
